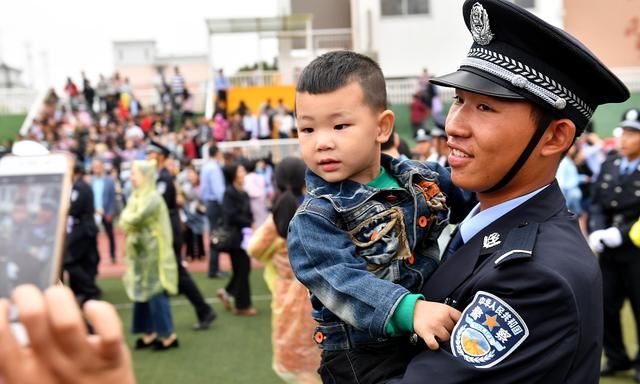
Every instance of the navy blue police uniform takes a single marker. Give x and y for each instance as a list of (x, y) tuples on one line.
[(81, 256), (521, 272), (530, 291), (616, 203)]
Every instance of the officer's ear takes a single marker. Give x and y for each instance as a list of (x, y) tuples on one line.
[(557, 138)]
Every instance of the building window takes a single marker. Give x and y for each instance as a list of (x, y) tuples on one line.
[(404, 7), (417, 7), (526, 3)]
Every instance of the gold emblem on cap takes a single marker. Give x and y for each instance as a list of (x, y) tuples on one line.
[(479, 25)]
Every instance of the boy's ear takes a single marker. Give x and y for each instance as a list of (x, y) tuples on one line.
[(386, 120), (558, 137)]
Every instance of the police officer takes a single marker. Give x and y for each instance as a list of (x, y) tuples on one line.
[(518, 267), (616, 207), (205, 313), (81, 258)]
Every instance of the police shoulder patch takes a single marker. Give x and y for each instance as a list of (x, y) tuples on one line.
[(489, 330)]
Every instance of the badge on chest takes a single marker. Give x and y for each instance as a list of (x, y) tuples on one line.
[(489, 330)]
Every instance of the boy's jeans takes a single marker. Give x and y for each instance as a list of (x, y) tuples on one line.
[(375, 363)]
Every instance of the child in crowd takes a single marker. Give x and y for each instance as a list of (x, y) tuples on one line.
[(364, 241)]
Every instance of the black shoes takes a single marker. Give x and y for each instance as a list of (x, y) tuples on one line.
[(608, 370), (140, 344), (159, 345), (204, 323), (219, 275)]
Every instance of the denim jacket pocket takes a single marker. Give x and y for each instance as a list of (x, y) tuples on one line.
[(381, 239)]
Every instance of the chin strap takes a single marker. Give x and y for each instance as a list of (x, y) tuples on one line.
[(542, 127)]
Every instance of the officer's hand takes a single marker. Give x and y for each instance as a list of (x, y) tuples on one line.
[(595, 241), (433, 322), (611, 237), (60, 349)]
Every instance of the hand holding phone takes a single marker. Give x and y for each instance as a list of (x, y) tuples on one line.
[(34, 199)]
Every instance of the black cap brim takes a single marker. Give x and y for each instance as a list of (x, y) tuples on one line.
[(475, 83)]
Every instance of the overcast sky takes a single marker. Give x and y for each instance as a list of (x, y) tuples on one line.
[(64, 37)]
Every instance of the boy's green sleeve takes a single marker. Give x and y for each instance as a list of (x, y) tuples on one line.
[(401, 321)]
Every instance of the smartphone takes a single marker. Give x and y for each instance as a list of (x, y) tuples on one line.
[(34, 202)]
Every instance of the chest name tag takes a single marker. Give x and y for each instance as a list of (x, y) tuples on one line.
[(489, 330)]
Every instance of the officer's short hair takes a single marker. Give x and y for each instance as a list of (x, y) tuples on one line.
[(213, 150), (336, 69)]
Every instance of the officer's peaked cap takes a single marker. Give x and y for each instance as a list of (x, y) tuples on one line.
[(631, 119), (516, 55), (154, 146), (422, 135)]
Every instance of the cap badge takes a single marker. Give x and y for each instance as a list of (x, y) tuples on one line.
[(479, 22), (632, 115)]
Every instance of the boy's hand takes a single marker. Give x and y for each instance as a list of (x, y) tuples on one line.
[(433, 322)]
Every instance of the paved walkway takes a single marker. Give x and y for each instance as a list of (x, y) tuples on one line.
[(106, 269)]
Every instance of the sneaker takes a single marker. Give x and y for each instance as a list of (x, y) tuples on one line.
[(219, 275), (204, 323), (245, 312), (224, 297)]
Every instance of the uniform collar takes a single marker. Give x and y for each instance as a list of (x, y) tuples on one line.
[(477, 220), (460, 265)]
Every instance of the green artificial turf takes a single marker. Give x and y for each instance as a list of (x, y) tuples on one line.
[(9, 126), (234, 350)]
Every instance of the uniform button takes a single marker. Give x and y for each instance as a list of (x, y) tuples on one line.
[(618, 189), (614, 203), (604, 185), (607, 177), (392, 197), (637, 193), (422, 221)]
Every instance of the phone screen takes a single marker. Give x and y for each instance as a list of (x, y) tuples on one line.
[(29, 209)]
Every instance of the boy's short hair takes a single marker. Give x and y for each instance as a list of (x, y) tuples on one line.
[(333, 70)]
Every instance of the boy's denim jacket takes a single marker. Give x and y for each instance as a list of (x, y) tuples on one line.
[(360, 250)]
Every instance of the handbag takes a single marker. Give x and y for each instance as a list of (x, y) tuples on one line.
[(221, 238)]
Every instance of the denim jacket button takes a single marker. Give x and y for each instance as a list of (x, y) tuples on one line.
[(319, 337), (422, 221)]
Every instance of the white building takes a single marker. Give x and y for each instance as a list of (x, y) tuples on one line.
[(10, 77), (141, 63), (406, 36)]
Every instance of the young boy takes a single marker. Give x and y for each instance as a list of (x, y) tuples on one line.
[(365, 239)]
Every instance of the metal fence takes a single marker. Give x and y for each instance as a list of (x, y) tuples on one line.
[(401, 90), (16, 100)]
